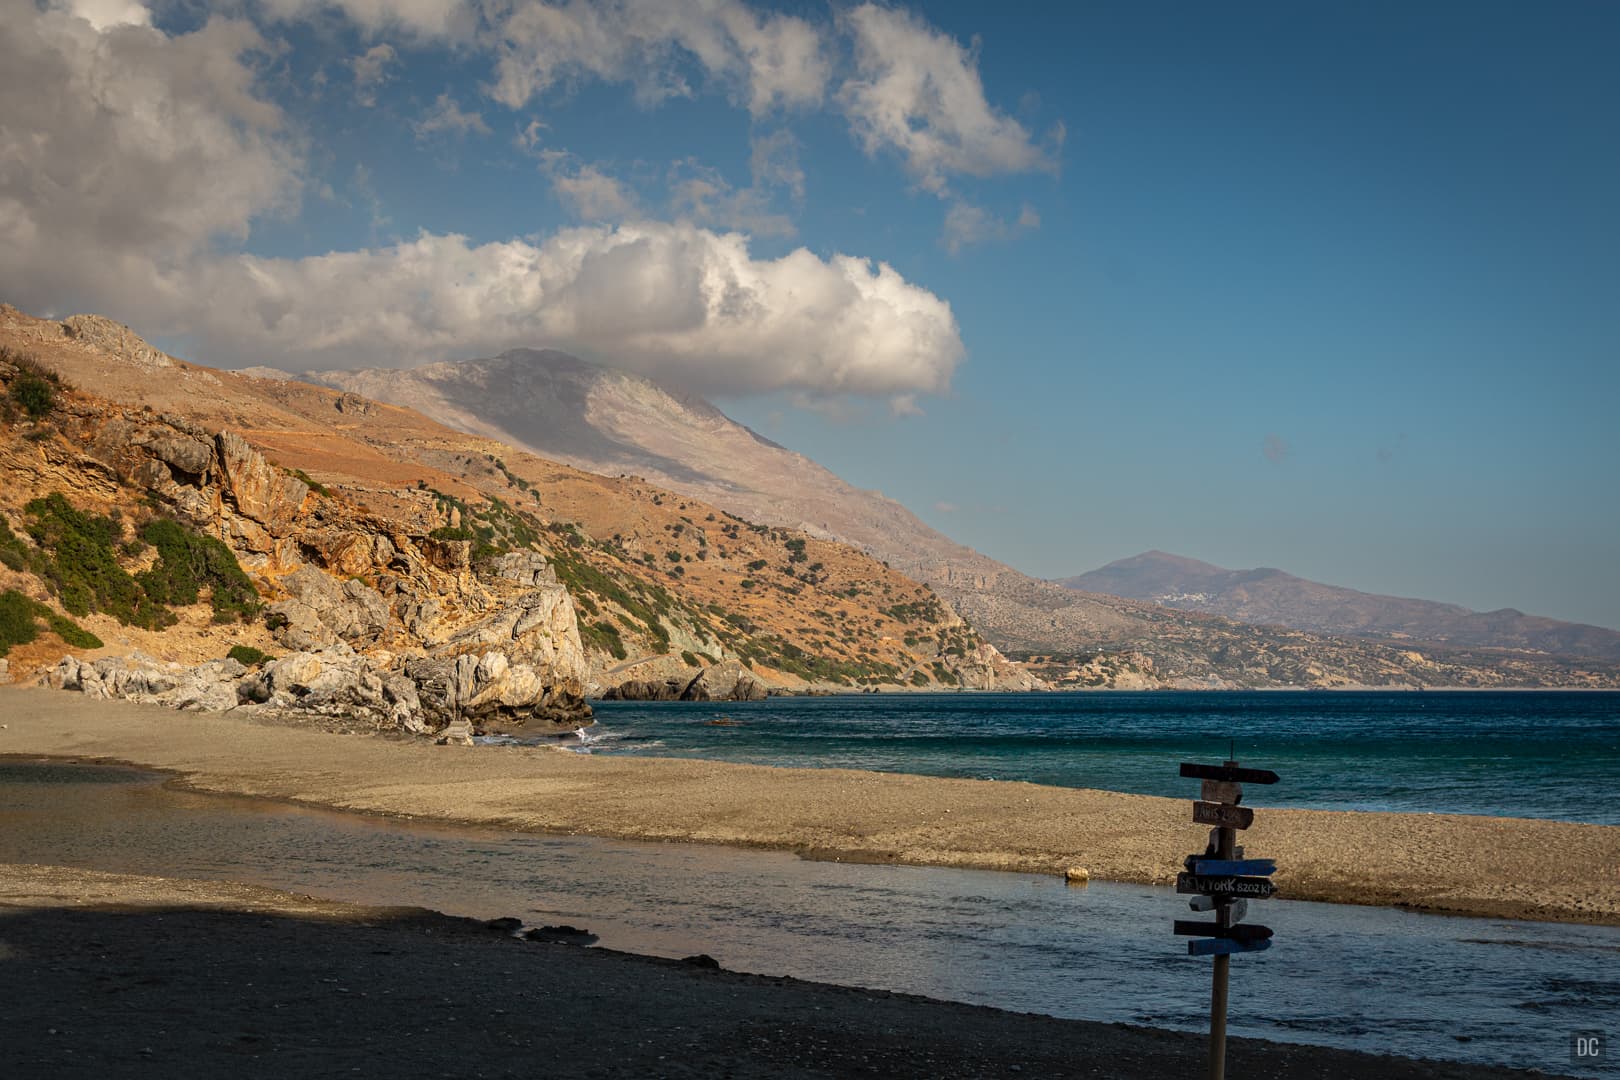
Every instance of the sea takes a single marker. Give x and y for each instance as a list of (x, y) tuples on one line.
[(1553, 754), (1472, 990)]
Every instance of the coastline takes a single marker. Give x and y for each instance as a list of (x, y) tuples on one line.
[(140, 976), (1448, 864)]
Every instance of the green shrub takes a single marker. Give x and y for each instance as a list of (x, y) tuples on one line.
[(19, 624), (188, 562), (248, 655), (76, 559), (34, 393), (604, 637), (689, 658)]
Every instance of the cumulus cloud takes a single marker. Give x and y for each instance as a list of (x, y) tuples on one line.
[(131, 162), (917, 91), (371, 71), (688, 304), (765, 61), (105, 14), (447, 118), (125, 150)]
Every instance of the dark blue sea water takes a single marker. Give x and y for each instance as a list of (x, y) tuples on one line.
[(1516, 754)]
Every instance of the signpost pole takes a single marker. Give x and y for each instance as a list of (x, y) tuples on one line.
[(1223, 963)]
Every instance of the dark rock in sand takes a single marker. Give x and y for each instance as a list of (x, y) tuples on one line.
[(702, 960)]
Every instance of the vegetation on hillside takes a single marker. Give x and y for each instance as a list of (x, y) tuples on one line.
[(81, 556), (20, 617)]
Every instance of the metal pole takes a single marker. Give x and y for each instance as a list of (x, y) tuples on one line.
[(1223, 963)]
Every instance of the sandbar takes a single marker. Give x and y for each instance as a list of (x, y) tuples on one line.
[(1444, 863)]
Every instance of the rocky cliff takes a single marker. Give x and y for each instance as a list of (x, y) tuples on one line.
[(497, 643), (371, 527)]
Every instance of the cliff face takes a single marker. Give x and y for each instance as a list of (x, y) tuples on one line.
[(495, 642)]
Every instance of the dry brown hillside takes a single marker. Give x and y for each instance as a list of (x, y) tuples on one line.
[(663, 584)]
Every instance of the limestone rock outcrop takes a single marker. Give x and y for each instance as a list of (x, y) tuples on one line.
[(390, 626), (728, 680)]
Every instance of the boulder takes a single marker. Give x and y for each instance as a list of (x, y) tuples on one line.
[(728, 680)]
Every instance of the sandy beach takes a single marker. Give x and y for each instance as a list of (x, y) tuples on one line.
[(133, 976), (1454, 864)]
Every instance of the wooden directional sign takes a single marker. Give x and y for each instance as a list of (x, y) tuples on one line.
[(1228, 912), (1229, 817), (1234, 867), (1241, 932), (1257, 887), (1225, 946), (1227, 772), (1222, 791)]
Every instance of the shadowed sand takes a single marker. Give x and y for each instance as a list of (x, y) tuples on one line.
[(133, 976), (1456, 864)]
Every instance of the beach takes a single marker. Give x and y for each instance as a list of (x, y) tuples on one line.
[(1442, 863), (136, 976)]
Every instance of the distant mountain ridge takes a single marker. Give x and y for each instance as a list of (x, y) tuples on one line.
[(1271, 597)]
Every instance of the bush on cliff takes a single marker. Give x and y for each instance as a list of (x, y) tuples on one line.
[(78, 557), (19, 624), (189, 561), (247, 655)]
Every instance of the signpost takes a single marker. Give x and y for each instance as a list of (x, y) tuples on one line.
[(1220, 879)]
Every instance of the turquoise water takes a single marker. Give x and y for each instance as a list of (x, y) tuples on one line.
[(1517, 754)]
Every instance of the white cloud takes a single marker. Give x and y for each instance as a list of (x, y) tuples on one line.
[(127, 150), (966, 225), (765, 60), (682, 302), (917, 91), (106, 14), (589, 193), (946, 507), (371, 71), (447, 118), (131, 160)]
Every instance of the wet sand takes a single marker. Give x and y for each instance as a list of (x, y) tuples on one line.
[(128, 976), (1454, 864)]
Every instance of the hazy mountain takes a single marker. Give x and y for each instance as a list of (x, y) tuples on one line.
[(1275, 598), (614, 422)]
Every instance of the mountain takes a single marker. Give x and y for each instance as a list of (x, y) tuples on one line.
[(617, 423), (621, 424), (660, 588), (1267, 596)]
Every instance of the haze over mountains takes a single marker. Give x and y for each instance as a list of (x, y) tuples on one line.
[(1272, 597)]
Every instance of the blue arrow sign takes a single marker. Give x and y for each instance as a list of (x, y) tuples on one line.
[(1225, 946), (1234, 867)]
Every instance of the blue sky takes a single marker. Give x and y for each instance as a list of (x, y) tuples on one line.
[(1324, 287)]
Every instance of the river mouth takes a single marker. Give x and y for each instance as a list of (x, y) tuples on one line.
[(1364, 978)]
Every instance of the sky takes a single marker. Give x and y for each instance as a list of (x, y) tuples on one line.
[(1327, 287)]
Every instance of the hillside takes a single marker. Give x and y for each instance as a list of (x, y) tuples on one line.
[(1273, 597), (664, 588)]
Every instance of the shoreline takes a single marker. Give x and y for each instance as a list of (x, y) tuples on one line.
[(1440, 863), (141, 975)]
